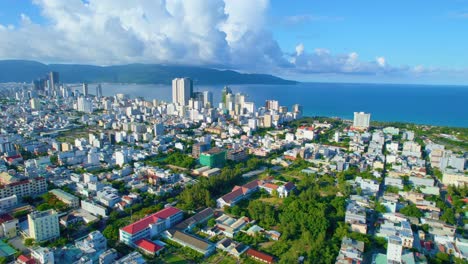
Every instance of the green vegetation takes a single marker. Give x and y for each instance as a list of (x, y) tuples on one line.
[(21, 214), (380, 208), (118, 219), (28, 242), (411, 210), (52, 202), (181, 160), (200, 195)]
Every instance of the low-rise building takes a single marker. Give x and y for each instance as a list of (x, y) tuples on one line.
[(204, 247), (69, 199), (94, 208), (150, 226), (8, 226), (8, 202)]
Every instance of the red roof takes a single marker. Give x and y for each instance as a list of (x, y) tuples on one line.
[(147, 245), (27, 260), (5, 218), (260, 255), (151, 219)]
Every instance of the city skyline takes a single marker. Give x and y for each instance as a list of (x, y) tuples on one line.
[(394, 42)]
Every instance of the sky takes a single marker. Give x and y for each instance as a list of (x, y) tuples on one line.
[(396, 41)]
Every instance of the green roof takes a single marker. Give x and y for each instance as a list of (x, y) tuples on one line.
[(6, 250)]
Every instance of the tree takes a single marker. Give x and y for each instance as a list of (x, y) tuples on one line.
[(448, 216), (411, 210), (28, 242), (211, 222), (380, 208)]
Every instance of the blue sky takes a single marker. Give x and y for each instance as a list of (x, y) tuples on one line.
[(407, 32), (358, 41)]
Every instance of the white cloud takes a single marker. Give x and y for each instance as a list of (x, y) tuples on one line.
[(381, 61), (228, 33)]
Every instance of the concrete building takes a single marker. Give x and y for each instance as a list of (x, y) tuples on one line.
[(150, 226), (44, 226), (69, 199), (361, 120), (8, 226), (182, 90), (214, 157), (93, 208), (8, 202), (208, 99), (43, 255), (23, 188), (35, 104), (108, 256), (394, 249), (84, 104)]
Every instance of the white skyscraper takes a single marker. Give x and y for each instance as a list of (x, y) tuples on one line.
[(394, 249), (85, 89), (182, 90), (99, 91), (84, 105), (361, 120), (35, 104), (207, 99)]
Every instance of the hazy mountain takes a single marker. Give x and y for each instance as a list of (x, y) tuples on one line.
[(26, 71)]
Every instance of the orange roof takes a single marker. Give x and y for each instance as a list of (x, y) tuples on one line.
[(270, 186)]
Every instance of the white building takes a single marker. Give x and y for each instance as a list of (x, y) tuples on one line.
[(84, 105), (182, 90), (43, 255), (44, 225), (361, 120), (207, 99), (35, 104), (93, 208), (8, 202), (394, 249)]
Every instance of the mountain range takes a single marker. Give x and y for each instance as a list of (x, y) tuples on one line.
[(27, 71)]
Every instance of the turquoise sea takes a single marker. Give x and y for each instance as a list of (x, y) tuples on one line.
[(422, 104)]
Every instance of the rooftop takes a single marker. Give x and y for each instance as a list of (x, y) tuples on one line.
[(145, 222)]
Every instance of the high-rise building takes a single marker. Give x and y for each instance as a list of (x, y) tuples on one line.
[(361, 120), (226, 91), (297, 108), (54, 80), (35, 104), (158, 129), (207, 99), (394, 249), (182, 90), (272, 105), (99, 91), (85, 89), (44, 226), (84, 105)]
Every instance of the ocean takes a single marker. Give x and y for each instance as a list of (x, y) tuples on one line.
[(421, 104)]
